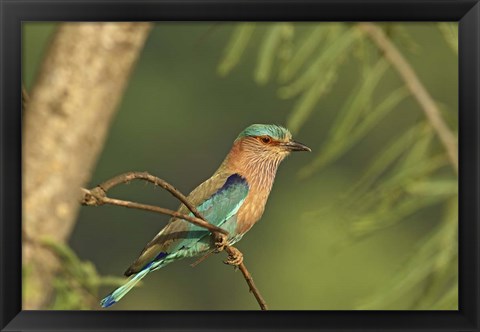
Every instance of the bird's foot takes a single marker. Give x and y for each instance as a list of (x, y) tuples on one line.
[(221, 240), (235, 257)]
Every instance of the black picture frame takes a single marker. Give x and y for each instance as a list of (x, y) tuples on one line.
[(14, 12)]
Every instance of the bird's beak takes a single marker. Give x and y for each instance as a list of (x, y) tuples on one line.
[(296, 146)]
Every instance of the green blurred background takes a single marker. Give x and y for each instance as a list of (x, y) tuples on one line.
[(178, 119)]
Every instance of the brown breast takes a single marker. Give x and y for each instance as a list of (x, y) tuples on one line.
[(253, 206)]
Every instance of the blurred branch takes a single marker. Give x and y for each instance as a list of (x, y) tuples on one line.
[(98, 196), (416, 88), (72, 102)]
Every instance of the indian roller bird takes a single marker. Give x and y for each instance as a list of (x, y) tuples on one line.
[(233, 198)]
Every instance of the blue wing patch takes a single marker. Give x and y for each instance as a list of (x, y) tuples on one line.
[(218, 209), (226, 201), (161, 255)]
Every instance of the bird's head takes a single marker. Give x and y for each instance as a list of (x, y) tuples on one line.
[(268, 142)]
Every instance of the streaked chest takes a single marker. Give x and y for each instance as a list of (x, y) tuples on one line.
[(253, 207)]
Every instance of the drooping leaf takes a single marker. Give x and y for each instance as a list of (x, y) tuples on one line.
[(336, 52), (235, 47), (388, 215), (385, 158), (348, 116), (449, 32), (304, 107), (421, 266), (374, 116), (401, 36), (414, 172), (367, 123), (269, 51), (346, 120), (304, 52)]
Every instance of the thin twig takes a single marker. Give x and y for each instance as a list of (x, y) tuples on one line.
[(127, 177), (416, 88), (98, 196), (250, 282), (93, 198)]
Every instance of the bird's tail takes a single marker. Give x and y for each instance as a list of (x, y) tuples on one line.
[(120, 292)]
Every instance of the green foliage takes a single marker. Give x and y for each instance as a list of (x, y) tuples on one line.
[(236, 47), (429, 279), (340, 41), (371, 196), (304, 51), (409, 175), (354, 121), (77, 283), (450, 33), (270, 50)]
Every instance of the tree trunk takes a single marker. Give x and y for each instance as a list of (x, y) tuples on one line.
[(80, 84)]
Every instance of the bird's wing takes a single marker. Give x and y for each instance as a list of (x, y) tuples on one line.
[(226, 201), (217, 199)]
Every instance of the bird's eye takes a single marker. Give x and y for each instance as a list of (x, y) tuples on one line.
[(266, 139)]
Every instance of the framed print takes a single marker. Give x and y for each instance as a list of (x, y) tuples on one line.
[(242, 165)]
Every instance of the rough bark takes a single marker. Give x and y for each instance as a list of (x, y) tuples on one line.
[(80, 84)]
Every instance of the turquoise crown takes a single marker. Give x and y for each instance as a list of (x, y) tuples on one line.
[(274, 131)]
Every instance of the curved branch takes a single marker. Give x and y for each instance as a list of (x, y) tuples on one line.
[(416, 88), (129, 176), (98, 196)]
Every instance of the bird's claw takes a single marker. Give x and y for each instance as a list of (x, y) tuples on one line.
[(235, 257), (221, 240)]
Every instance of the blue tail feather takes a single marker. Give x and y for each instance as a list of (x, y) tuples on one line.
[(108, 301), (120, 292)]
